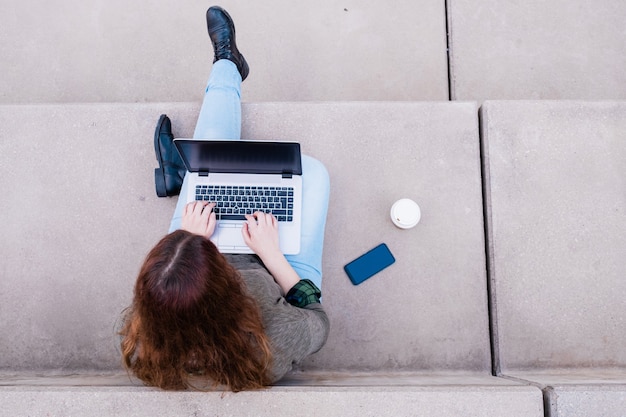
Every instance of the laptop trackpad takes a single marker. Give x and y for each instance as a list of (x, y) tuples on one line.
[(230, 236)]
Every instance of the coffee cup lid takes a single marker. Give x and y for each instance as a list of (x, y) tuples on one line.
[(405, 213)]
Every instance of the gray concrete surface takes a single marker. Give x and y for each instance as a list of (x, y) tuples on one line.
[(560, 49), (461, 401), (111, 51), (327, 378), (153, 51), (425, 152), (579, 391), (584, 401), (556, 194), (574, 376), (70, 258), (80, 213)]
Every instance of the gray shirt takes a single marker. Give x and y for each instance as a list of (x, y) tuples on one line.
[(294, 332)]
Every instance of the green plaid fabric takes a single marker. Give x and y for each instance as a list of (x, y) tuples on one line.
[(303, 294)]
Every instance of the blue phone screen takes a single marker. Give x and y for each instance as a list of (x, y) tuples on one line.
[(369, 264)]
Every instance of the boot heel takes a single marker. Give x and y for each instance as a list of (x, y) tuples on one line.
[(159, 182)]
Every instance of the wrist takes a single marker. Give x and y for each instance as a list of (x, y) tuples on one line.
[(272, 259), (284, 275), (270, 254)]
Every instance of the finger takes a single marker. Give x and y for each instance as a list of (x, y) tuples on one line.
[(199, 207), (251, 220), (207, 209), (261, 217), (204, 218), (246, 233), (211, 224), (191, 207)]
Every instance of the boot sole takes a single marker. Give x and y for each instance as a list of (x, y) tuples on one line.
[(159, 173)]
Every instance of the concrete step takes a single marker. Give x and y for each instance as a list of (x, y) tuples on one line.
[(80, 213), (504, 51), (153, 51), (337, 395), (601, 400), (579, 392), (555, 198), (150, 51)]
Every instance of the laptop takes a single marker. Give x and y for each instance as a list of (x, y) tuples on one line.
[(243, 177)]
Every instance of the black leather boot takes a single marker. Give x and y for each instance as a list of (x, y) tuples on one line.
[(222, 33), (168, 177)]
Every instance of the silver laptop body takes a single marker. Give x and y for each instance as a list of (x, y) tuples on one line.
[(242, 177)]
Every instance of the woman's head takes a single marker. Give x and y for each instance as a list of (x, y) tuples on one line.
[(191, 316)]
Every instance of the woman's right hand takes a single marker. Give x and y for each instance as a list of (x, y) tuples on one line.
[(199, 218)]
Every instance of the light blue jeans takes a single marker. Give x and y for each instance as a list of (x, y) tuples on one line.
[(220, 118)]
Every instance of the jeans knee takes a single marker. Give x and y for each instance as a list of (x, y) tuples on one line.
[(313, 168)]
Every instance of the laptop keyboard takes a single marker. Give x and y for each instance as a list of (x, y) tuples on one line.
[(234, 202)]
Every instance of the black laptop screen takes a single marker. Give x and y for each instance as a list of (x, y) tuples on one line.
[(236, 156)]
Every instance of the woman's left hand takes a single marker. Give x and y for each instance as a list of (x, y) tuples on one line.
[(199, 218), (260, 232)]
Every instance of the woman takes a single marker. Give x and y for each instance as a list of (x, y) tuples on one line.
[(200, 318)]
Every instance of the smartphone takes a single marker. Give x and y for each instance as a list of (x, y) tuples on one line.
[(369, 264)]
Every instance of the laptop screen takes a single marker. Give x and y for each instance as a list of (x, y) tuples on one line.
[(238, 156)]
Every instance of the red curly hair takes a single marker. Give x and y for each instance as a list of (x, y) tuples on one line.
[(192, 320)]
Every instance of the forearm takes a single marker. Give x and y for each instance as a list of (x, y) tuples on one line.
[(260, 232), (284, 275)]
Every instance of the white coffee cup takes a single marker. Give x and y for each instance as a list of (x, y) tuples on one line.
[(405, 213)]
